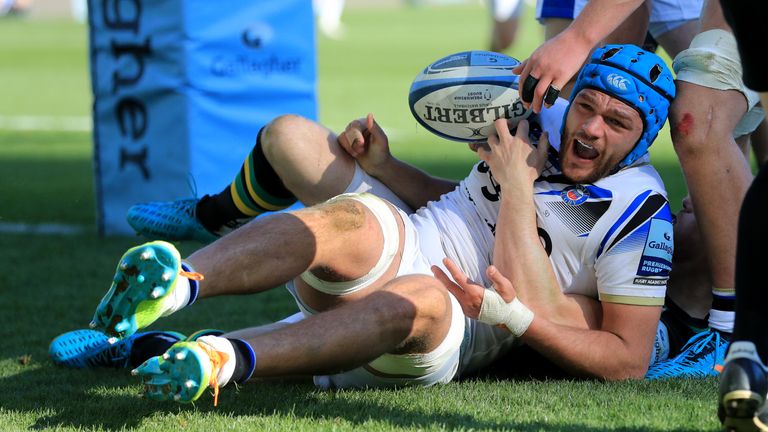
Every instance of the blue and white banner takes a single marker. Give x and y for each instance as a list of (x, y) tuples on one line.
[(181, 88)]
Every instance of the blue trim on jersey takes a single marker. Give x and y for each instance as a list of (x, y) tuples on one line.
[(598, 192), (665, 213), (552, 192), (557, 9), (627, 213)]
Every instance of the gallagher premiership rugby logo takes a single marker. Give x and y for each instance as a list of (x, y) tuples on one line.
[(574, 195)]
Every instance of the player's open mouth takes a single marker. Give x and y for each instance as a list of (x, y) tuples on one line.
[(584, 150)]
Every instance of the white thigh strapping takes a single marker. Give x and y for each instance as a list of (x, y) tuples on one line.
[(362, 182), (412, 261), (388, 223), (713, 61)]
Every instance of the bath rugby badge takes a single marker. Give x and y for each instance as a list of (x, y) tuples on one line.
[(574, 195)]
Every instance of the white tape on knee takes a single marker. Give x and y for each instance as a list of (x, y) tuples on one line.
[(514, 315), (388, 223)]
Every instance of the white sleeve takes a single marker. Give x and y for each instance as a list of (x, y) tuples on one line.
[(635, 256)]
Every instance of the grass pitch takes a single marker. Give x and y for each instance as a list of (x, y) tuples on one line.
[(51, 283)]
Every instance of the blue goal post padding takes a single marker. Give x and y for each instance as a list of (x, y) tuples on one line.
[(181, 88)]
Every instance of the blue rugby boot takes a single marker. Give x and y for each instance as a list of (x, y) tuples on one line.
[(169, 220), (143, 289), (89, 348), (701, 356), (743, 386), (184, 372)]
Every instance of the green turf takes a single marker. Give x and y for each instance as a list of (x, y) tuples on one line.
[(51, 284)]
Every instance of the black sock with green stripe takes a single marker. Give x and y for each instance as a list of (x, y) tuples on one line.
[(256, 189)]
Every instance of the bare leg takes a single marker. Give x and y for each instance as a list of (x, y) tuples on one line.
[(342, 238), (307, 158), (411, 314), (503, 33), (679, 38), (702, 122)]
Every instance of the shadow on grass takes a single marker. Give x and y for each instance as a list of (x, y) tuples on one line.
[(109, 399)]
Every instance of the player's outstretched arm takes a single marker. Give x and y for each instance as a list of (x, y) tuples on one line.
[(556, 61), (617, 347), (365, 141), (620, 348)]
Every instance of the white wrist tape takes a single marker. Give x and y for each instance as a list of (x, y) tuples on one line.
[(514, 315)]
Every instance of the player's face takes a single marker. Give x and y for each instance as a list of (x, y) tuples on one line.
[(599, 132)]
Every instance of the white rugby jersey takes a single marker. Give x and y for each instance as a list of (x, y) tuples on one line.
[(611, 240)]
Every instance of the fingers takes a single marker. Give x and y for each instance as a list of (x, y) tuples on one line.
[(529, 88), (537, 92), (552, 93), (518, 70), (458, 275), (522, 130), (352, 139), (442, 277), (501, 284), (502, 130), (543, 146), (448, 283)]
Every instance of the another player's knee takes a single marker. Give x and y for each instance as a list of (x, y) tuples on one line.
[(280, 131)]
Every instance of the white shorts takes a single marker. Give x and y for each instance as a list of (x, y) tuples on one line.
[(505, 10), (362, 182), (468, 346), (669, 11), (713, 61)]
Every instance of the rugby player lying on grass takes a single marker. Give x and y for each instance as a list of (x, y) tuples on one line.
[(361, 269)]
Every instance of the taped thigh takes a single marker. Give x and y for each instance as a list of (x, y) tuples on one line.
[(388, 223), (713, 61)]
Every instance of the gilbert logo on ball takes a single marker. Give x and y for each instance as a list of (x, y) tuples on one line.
[(458, 97)]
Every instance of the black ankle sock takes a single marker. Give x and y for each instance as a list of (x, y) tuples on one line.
[(214, 211), (245, 361), (680, 325), (266, 176), (149, 345)]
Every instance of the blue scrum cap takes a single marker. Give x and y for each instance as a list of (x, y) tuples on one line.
[(638, 78)]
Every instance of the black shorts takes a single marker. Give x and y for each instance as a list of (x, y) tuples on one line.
[(748, 19)]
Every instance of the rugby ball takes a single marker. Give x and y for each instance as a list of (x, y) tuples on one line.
[(460, 96)]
